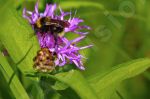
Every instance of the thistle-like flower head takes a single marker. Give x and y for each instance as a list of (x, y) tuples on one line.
[(67, 51)]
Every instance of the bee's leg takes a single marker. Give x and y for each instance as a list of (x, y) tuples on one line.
[(16, 65)]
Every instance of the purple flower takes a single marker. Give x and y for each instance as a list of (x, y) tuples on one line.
[(67, 51), (70, 51)]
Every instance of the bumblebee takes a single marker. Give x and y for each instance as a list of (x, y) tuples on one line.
[(48, 25), (44, 61)]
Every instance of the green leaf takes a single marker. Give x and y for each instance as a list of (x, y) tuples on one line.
[(77, 82), (16, 36), (15, 85), (106, 84), (147, 74), (78, 4), (36, 92), (73, 79), (59, 86)]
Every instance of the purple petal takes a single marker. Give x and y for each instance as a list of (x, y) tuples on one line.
[(47, 9), (78, 64), (57, 62), (78, 39), (25, 16), (75, 21), (62, 58), (34, 17), (51, 10), (63, 14), (36, 8)]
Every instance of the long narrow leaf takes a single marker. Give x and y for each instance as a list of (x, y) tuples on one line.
[(15, 85), (106, 84)]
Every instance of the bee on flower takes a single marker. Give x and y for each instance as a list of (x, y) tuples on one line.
[(50, 30)]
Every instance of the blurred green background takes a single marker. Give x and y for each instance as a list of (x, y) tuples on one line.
[(120, 33)]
